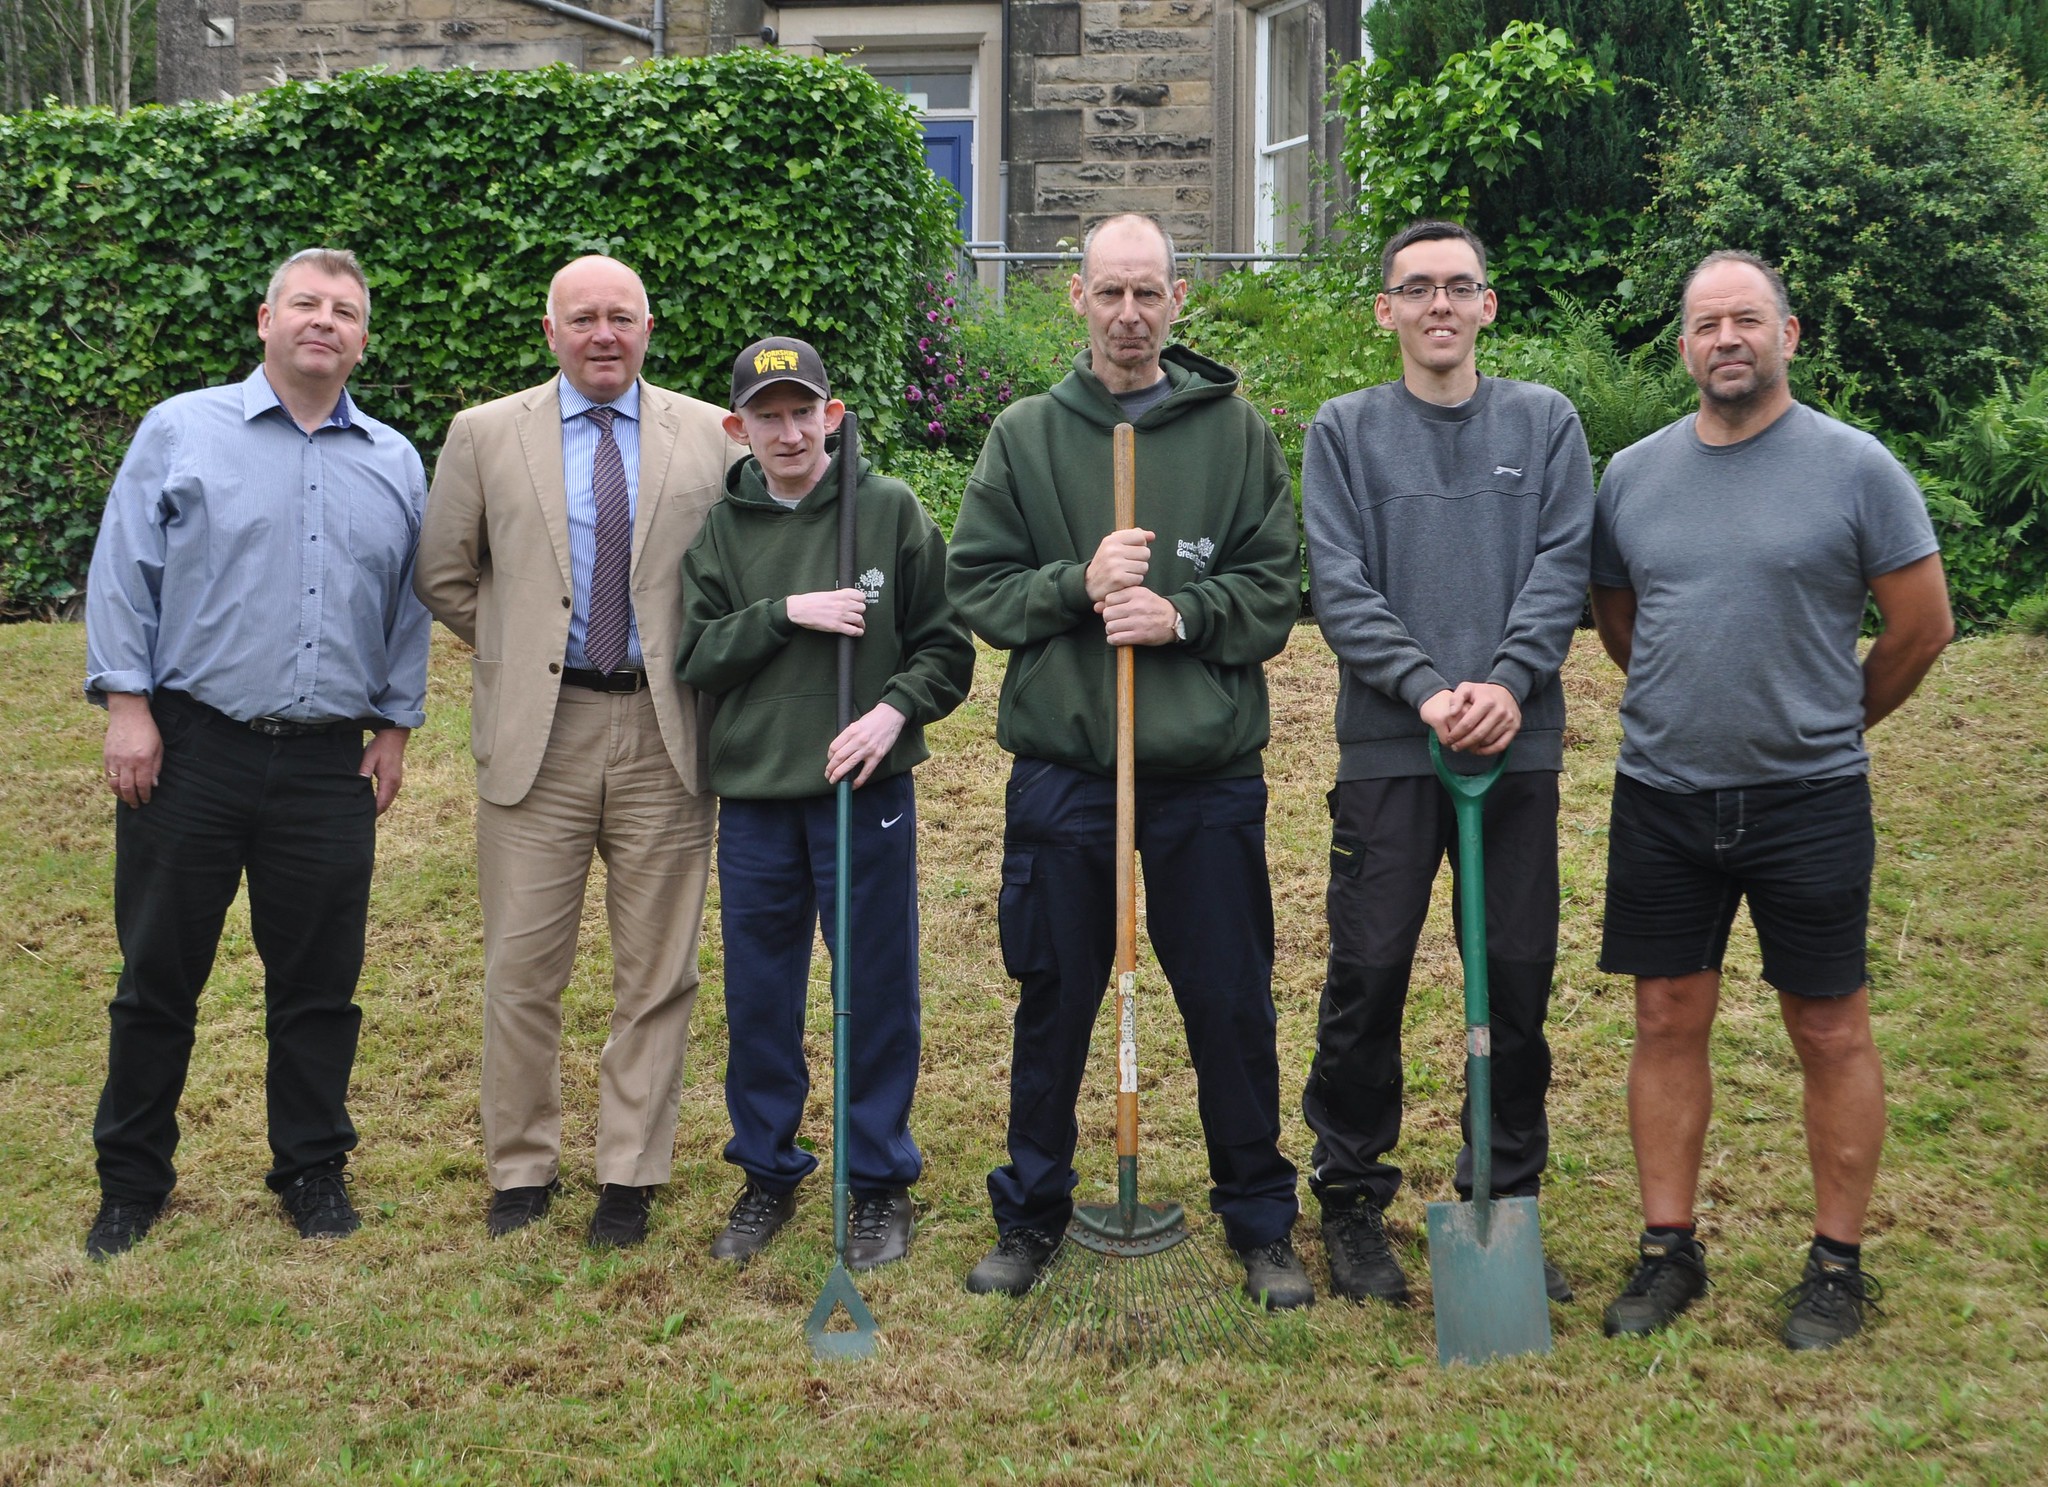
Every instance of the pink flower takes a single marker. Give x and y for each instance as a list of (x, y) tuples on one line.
[(932, 315), (936, 430), (913, 394), (951, 380), (948, 300), (924, 343), (1279, 411)]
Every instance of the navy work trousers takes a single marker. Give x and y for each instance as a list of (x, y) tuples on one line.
[(1388, 838), (296, 817), (1209, 913), (777, 878)]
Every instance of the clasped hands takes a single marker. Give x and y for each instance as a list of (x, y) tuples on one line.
[(1131, 613), (1474, 717)]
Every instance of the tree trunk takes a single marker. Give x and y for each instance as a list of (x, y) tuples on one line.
[(124, 56), (92, 58)]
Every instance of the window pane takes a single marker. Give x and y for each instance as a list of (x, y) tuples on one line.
[(1290, 75), (1290, 197), (928, 90)]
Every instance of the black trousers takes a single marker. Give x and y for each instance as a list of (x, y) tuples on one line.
[(1388, 838), (1209, 914), (296, 817)]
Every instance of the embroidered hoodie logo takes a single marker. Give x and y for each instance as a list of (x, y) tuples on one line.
[(1198, 552), (1507, 470), (870, 584)]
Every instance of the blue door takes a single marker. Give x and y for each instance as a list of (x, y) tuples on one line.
[(949, 151)]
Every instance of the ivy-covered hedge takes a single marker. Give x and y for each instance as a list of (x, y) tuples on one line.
[(756, 193)]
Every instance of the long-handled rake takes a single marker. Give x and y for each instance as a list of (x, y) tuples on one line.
[(839, 1288), (1125, 1283)]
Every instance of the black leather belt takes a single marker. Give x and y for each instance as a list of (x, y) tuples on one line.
[(604, 681), (269, 725)]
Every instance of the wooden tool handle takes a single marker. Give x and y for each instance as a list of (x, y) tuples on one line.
[(1126, 486)]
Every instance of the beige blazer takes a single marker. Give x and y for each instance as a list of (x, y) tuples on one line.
[(494, 568)]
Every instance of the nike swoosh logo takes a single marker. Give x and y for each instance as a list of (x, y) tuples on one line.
[(892, 820)]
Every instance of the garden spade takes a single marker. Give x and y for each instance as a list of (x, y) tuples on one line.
[(839, 1292), (1486, 1256)]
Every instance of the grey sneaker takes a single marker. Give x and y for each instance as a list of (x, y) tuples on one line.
[(1362, 1263), (1274, 1277), (1014, 1265), (1826, 1308), (1670, 1275), (755, 1217)]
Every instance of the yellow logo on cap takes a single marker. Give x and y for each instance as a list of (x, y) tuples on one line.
[(775, 359)]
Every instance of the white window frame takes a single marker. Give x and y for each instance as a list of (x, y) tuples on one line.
[(1265, 176)]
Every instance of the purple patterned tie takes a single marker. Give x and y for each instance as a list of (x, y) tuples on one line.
[(604, 635)]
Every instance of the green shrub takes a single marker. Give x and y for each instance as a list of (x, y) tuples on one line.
[(755, 193), (1902, 193), (966, 358), (2030, 615), (938, 476), (1985, 472)]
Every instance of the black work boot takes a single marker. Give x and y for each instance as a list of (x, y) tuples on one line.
[(1363, 1266), (319, 1206), (1014, 1265), (1670, 1274), (878, 1228), (119, 1226), (1274, 1277)]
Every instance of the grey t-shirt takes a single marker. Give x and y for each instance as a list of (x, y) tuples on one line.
[(1750, 564)]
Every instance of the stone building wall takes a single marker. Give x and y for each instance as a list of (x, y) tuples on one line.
[(208, 47), (1114, 107)]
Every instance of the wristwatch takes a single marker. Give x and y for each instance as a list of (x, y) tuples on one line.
[(1180, 626)]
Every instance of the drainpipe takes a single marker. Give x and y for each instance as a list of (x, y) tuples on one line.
[(1003, 168), (657, 40)]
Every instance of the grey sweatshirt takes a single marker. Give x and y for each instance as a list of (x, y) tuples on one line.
[(1446, 545)]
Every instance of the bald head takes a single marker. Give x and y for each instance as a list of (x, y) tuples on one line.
[(597, 325), (1129, 233)]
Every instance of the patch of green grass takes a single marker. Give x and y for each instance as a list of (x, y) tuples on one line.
[(223, 1350)]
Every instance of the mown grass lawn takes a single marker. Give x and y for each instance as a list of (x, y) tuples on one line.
[(224, 1350)]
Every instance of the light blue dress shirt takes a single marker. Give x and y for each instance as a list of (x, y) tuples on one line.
[(263, 570), (579, 455)]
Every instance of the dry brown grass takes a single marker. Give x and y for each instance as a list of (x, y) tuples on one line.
[(225, 1351)]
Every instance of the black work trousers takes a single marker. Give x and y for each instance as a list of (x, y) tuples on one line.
[(1388, 838), (1209, 914), (296, 817)]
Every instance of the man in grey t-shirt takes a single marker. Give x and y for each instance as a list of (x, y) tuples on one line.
[(1448, 519), (1732, 554)]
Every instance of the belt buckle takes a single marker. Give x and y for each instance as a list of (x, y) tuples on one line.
[(272, 726), (639, 682)]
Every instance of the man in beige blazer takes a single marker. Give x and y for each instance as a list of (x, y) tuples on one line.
[(553, 544)]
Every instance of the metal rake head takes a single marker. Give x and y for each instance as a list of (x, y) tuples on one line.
[(1168, 1301)]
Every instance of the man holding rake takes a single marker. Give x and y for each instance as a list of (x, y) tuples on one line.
[(1038, 568)]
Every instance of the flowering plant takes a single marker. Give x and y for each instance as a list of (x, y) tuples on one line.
[(950, 395)]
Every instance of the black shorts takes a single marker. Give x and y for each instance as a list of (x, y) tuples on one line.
[(1801, 853)]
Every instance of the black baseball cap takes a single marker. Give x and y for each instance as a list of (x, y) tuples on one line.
[(778, 359)]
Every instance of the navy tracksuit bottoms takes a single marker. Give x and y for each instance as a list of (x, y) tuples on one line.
[(776, 881)]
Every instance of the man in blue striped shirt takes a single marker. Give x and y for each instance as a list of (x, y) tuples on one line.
[(249, 617)]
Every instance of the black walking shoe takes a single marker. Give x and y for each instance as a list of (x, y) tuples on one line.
[(319, 1207), (1363, 1266), (512, 1209), (1826, 1308), (878, 1228), (119, 1227), (752, 1223), (620, 1221), (1274, 1277), (1014, 1265), (1670, 1275), (1556, 1284)]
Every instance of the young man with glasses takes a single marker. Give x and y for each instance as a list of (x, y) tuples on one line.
[(1449, 520)]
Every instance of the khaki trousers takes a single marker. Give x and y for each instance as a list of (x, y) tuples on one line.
[(606, 785)]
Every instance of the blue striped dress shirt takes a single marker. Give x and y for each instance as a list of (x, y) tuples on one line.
[(579, 456)]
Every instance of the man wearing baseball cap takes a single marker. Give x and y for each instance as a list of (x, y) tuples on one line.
[(761, 632)]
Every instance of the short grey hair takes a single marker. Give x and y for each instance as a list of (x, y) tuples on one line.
[(1748, 259), (1172, 257), (337, 261)]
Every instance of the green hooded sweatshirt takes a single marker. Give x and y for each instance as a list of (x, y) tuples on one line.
[(1214, 488), (776, 682)]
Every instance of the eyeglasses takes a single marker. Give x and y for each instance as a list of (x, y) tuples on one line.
[(1461, 291)]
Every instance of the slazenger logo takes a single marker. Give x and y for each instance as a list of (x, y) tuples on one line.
[(870, 584), (1198, 552), (775, 359), (1507, 470)]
